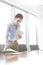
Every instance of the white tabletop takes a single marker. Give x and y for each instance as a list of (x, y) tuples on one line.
[(24, 58)]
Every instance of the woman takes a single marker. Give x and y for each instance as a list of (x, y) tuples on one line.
[(12, 31)]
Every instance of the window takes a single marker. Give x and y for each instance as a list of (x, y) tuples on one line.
[(5, 19), (32, 29)]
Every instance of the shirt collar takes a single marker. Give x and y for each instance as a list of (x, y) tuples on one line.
[(13, 24)]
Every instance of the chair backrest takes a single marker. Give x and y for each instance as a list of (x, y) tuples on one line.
[(34, 47), (22, 47), (2, 47)]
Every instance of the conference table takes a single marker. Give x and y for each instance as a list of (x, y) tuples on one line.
[(22, 58)]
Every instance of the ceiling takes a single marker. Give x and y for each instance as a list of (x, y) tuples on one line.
[(33, 6)]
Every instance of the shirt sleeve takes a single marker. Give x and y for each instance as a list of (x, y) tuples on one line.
[(8, 36)]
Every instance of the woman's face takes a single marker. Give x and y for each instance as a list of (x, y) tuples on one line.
[(17, 21)]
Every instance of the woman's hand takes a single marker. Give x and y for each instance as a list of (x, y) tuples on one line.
[(18, 36)]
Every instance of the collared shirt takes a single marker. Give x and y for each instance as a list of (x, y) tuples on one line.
[(11, 32)]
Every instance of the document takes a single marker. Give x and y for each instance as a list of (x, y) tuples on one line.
[(20, 33)]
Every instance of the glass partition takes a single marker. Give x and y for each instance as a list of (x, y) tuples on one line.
[(27, 31), (28, 24), (32, 29)]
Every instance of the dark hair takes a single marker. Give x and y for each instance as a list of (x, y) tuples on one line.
[(19, 16)]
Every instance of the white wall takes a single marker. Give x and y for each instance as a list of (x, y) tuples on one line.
[(40, 31)]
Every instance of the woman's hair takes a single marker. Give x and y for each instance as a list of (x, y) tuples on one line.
[(19, 16)]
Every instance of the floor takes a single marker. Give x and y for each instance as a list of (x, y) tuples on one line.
[(24, 58)]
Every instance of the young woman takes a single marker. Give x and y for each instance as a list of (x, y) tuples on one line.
[(12, 31)]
